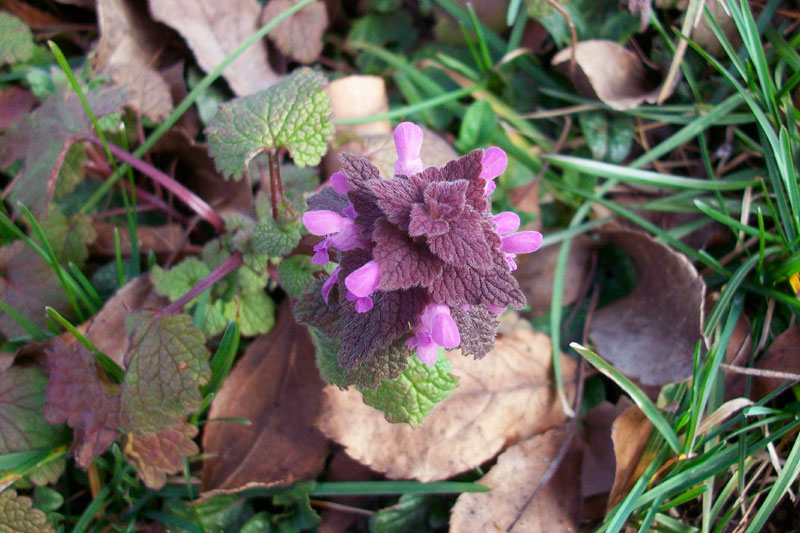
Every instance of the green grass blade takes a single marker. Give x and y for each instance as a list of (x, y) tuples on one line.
[(646, 177), (118, 259), (222, 361), (636, 394), (375, 488), (32, 329), (411, 109)]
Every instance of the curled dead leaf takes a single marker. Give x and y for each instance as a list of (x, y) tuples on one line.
[(276, 386), (213, 30), (519, 501), (650, 335), (299, 36), (629, 433), (127, 51), (505, 397), (610, 72)]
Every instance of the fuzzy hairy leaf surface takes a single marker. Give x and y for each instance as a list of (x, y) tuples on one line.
[(27, 284), (384, 365), (165, 365), (76, 395), (292, 114), (477, 328), (43, 140), (70, 237), (412, 395), (157, 454), (276, 238), (16, 39), (296, 274), (17, 515)]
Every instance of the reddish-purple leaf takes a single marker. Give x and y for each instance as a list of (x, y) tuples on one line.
[(76, 395), (468, 285), (160, 453), (477, 328), (464, 244), (404, 263)]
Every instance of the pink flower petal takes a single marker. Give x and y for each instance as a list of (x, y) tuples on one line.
[(496, 309), (321, 256), (408, 141), (327, 287), (363, 281), (430, 312), (522, 242), (348, 238), (507, 221), (363, 304), (494, 162), (427, 353), (323, 222), (489, 188), (445, 331), (339, 183)]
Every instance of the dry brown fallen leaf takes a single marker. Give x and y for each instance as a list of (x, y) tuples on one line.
[(127, 51), (107, 328), (277, 387), (598, 466), (518, 501), (505, 397), (15, 102), (629, 433), (535, 274), (213, 30), (650, 335), (610, 72), (782, 356), (299, 36)]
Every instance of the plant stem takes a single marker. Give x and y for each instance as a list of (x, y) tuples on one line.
[(189, 198), (275, 188), (230, 264)]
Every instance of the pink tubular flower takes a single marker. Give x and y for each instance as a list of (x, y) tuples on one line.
[(522, 242), (408, 141), (494, 163), (361, 283), (436, 328), (339, 232)]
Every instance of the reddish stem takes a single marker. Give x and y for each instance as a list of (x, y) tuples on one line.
[(189, 198), (274, 183), (230, 264)]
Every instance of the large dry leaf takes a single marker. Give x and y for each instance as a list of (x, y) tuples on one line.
[(629, 433), (535, 274), (15, 103), (277, 387), (518, 501), (609, 71), (507, 396), (299, 36), (650, 335), (213, 30), (157, 239), (127, 51)]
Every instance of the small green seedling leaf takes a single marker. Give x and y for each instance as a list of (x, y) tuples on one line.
[(477, 127), (412, 395), (177, 281), (296, 498), (296, 274), (276, 239), (414, 512), (17, 516), (16, 40), (70, 237), (292, 114)]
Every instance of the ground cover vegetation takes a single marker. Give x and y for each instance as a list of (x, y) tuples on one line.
[(399, 266)]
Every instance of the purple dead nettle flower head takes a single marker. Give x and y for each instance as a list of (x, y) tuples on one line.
[(421, 256)]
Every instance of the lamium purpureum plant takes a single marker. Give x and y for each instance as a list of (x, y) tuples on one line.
[(422, 262)]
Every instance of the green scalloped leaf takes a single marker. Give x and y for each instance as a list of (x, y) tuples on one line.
[(296, 274), (166, 364), (276, 239), (70, 237), (412, 395), (17, 515), (16, 39), (177, 281), (157, 454), (292, 114)]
